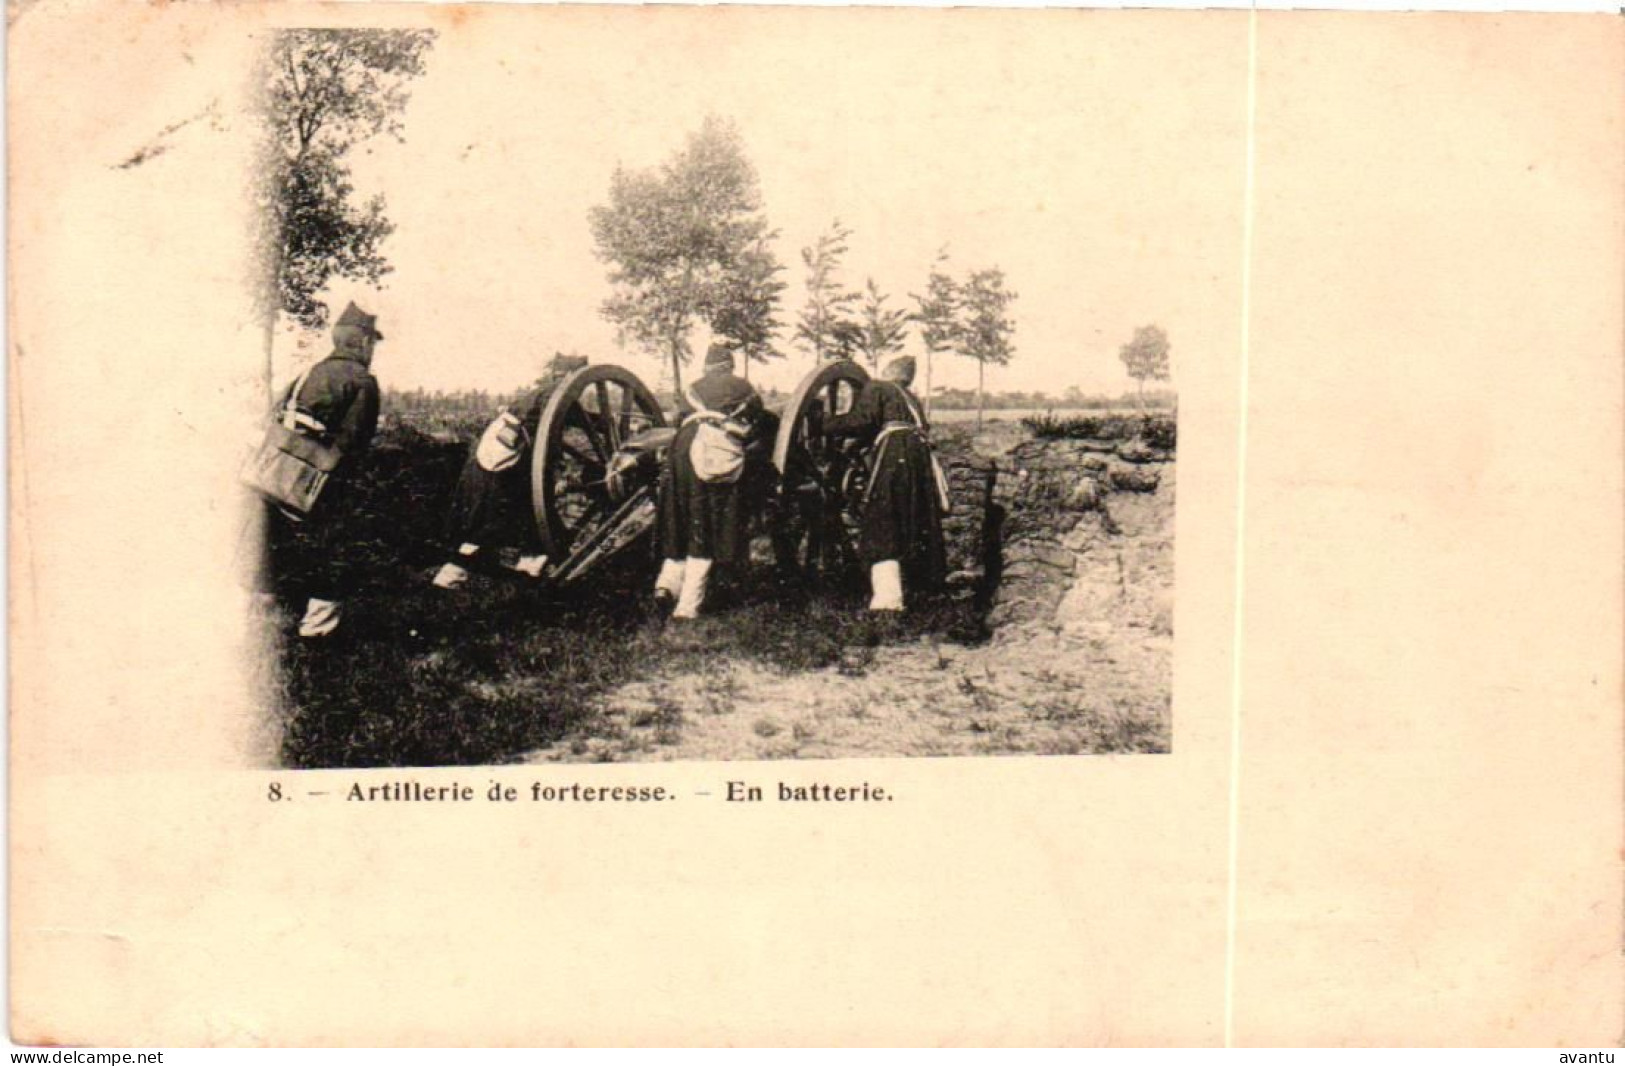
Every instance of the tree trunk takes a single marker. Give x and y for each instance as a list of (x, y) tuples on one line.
[(981, 397), (928, 384), (270, 345), (680, 330)]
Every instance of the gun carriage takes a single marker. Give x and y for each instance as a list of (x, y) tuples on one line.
[(601, 441)]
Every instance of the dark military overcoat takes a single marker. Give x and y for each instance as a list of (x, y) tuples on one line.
[(707, 520), (902, 514)]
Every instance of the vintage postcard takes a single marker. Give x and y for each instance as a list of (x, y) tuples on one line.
[(732, 525)]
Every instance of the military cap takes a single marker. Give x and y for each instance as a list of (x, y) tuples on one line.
[(900, 370), (719, 358), (354, 316)]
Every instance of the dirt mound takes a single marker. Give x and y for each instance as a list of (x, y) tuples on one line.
[(1086, 527), (970, 527)]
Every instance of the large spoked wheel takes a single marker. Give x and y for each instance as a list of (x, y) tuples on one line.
[(583, 426), (820, 480)]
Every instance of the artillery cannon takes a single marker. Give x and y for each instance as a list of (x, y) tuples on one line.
[(601, 441)]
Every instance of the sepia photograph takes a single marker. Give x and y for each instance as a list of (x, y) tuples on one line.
[(554, 524), (687, 417)]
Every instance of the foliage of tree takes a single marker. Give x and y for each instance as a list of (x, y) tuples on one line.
[(937, 313), (1146, 357), (685, 243), (986, 331), (323, 92), (883, 329), (826, 327), (746, 315)]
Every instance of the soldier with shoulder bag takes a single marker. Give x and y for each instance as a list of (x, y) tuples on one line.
[(304, 471), (907, 492), (490, 507), (703, 516)]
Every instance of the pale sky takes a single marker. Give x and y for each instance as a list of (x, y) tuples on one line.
[(1098, 162)]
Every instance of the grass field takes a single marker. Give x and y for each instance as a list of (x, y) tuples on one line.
[(504, 672)]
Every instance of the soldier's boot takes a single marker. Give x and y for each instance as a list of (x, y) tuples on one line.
[(692, 596), (886, 580), (669, 585), (321, 618), (455, 575), (450, 576)]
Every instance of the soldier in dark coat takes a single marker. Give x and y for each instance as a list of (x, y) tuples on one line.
[(337, 402), (703, 501), (491, 508), (901, 537)]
